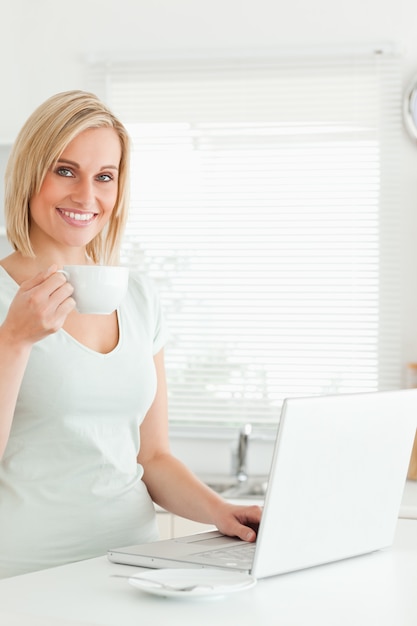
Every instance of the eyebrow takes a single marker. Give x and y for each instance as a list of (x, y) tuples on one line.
[(77, 165)]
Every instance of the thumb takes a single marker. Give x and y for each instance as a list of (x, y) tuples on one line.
[(245, 533)]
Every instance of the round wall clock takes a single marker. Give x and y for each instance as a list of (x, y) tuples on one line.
[(410, 108)]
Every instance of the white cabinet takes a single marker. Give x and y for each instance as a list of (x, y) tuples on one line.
[(182, 526), (164, 521), (174, 526)]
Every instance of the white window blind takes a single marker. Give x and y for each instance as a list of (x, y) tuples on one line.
[(265, 206)]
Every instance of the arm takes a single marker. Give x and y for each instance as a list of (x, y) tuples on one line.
[(173, 486), (39, 308)]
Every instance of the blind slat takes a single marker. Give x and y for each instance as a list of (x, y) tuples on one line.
[(265, 198)]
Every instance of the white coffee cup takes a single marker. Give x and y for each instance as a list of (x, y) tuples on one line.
[(98, 289)]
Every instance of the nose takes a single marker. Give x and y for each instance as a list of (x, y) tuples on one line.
[(83, 193)]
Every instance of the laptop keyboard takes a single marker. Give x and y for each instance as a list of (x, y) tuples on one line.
[(240, 555)]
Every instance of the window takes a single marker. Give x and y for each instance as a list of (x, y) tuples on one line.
[(264, 206)]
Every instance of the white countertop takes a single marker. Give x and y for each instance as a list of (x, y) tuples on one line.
[(379, 588)]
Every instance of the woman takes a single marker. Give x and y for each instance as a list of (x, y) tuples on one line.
[(83, 405)]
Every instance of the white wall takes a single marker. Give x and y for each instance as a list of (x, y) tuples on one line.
[(43, 46)]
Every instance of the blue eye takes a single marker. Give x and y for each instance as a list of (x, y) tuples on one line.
[(64, 171), (104, 177)]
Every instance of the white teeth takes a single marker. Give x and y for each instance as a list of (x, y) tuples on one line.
[(81, 217)]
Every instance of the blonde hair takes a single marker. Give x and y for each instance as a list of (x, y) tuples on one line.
[(42, 139)]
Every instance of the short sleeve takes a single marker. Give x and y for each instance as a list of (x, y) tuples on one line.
[(151, 306), (161, 335)]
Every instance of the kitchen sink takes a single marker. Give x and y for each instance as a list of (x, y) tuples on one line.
[(252, 488)]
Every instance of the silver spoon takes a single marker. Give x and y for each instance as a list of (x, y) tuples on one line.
[(162, 585)]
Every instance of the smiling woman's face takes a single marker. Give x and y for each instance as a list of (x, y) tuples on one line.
[(79, 192)]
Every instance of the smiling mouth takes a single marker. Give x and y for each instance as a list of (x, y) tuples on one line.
[(76, 216)]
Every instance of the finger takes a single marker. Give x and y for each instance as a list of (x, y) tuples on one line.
[(248, 519), (48, 296), (250, 515), (247, 534), (57, 294), (235, 529), (63, 310), (57, 281), (60, 294), (57, 308), (40, 278), (241, 531), (46, 290)]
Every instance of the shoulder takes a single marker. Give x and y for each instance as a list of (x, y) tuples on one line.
[(145, 303), (11, 266), (18, 268), (141, 285), (144, 293)]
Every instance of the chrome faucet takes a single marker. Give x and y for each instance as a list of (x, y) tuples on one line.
[(242, 453)]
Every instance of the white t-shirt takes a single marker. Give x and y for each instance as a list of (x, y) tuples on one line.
[(70, 485)]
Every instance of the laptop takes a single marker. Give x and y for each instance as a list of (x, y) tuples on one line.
[(335, 488)]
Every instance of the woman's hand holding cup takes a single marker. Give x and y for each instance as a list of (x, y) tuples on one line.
[(40, 306)]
